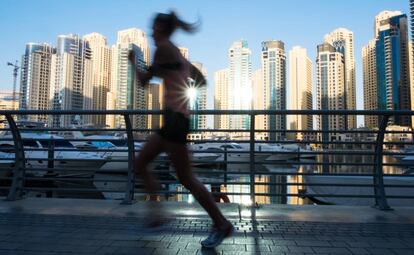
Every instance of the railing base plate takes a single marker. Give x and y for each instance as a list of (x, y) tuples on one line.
[(382, 208), (128, 202), (12, 199)]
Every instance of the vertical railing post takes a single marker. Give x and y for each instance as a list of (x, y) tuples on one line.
[(16, 187), (129, 192), (50, 157), (225, 167), (252, 165), (379, 190), (50, 164)]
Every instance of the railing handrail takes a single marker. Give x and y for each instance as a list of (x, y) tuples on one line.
[(380, 197), (211, 112)]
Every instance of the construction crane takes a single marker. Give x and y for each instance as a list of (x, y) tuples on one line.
[(15, 72)]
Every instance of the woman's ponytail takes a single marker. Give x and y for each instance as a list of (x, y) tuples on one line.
[(188, 27)]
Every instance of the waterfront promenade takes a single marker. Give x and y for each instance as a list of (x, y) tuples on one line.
[(80, 226)]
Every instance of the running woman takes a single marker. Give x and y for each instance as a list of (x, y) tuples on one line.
[(175, 70)]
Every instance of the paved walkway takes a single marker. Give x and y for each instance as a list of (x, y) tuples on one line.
[(71, 226)]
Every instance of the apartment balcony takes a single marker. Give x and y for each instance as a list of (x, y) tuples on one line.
[(72, 190)]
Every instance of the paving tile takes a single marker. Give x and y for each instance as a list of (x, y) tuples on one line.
[(358, 251), (132, 251), (403, 251), (154, 244), (300, 249), (187, 252), (50, 234), (358, 244), (235, 247), (331, 250), (257, 247), (164, 251), (379, 251), (313, 243)]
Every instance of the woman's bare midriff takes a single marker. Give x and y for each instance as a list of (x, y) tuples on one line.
[(176, 85)]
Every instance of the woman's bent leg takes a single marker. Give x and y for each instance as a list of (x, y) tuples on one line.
[(149, 152), (180, 159)]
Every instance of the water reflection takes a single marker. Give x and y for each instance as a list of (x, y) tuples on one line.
[(281, 188)]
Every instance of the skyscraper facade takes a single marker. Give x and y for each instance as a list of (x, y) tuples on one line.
[(273, 60), (101, 60), (125, 91), (370, 83), (300, 76), (343, 41), (411, 60), (199, 102), (330, 90), (240, 86), (8, 103), (184, 52), (260, 103), (221, 98), (411, 49), (71, 86), (35, 79), (393, 72), (197, 97), (382, 16), (137, 37), (155, 102)]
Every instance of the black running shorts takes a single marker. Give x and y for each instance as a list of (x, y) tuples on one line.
[(175, 127)]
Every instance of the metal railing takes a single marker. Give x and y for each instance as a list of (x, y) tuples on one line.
[(25, 177)]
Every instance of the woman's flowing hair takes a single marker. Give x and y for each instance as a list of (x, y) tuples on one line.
[(171, 22)]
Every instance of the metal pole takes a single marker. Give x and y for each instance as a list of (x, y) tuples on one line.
[(129, 192), (379, 190), (15, 191), (252, 165), (15, 73), (225, 166), (50, 164), (51, 156)]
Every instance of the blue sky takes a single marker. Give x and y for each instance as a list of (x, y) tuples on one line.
[(296, 22)]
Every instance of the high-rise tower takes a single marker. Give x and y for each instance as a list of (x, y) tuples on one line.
[(369, 66), (300, 74), (411, 49), (393, 72), (330, 90), (125, 91), (101, 61), (137, 37), (240, 84), (221, 98), (71, 83), (155, 102), (382, 16), (274, 84), (36, 79), (343, 41), (199, 102), (260, 103)]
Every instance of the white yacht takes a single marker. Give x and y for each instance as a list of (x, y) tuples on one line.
[(118, 154), (66, 155), (301, 152), (263, 152)]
